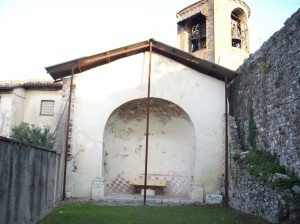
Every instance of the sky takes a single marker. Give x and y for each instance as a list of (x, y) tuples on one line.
[(35, 34)]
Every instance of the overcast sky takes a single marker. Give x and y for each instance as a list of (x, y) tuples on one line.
[(35, 34)]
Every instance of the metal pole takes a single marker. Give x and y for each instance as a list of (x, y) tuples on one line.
[(147, 124), (226, 145), (67, 136)]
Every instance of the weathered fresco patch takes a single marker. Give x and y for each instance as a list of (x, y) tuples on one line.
[(162, 109)]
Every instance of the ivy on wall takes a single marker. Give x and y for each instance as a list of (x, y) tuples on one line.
[(252, 129), (265, 66)]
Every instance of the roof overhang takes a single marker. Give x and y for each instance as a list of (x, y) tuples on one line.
[(60, 71)]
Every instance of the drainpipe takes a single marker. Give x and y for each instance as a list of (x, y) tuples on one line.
[(67, 137), (226, 146), (147, 124)]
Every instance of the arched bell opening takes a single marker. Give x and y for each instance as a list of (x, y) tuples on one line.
[(196, 29), (239, 29), (171, 148)]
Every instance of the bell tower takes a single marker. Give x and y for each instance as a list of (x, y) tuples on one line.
[(215, 30)]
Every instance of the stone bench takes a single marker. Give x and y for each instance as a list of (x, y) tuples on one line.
[(155, 184)]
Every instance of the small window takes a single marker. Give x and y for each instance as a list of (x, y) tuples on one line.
[(47, 107)]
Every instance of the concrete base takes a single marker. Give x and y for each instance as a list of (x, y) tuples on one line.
[(97, 188), (138, 199), (68, 194), (149, 192), (196, 193), (213, 199)]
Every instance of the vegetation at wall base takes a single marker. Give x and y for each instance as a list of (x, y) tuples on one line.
[(87, 213), (262, 165), (34, 135)]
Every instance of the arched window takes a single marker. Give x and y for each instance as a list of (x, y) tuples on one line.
[(238, 29), (198, 33)]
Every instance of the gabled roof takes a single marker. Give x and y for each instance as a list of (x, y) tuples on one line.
[(62, 70)]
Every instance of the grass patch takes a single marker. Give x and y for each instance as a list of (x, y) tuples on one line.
[(87, 213)]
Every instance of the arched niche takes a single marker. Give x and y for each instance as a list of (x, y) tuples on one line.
[(171, 148), (239, 29), (197, 32)]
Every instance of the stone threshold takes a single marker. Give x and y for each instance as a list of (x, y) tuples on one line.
[(158, 200)]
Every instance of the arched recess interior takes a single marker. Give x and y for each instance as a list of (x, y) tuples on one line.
[(239, 29), (197, 31), (171, 146)]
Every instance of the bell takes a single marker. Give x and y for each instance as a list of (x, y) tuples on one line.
[(235, 33)]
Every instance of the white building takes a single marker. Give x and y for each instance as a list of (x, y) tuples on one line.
[(35, 102), (146, 109), (108, 126)]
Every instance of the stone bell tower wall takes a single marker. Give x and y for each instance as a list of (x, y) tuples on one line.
[(225, 54), (219, 47), (206, 8)]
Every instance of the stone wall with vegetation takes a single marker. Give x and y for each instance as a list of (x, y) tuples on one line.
[(265, 105), (29, 181)]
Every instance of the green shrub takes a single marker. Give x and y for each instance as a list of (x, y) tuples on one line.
[(235, 157), (34, 135), (284, 183), (262, 165)]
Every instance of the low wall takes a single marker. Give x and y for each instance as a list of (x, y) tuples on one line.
[(29, 182)]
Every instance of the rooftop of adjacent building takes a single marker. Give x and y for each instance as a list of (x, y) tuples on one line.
[(29, 84)]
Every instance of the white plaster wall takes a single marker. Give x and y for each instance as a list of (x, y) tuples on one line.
[(5, 113), (11, 110), (20, 105), (202, 97), (19, 96), (32, 107), (101, 90)]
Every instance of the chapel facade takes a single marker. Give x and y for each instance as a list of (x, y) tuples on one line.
[(215, 30), (144, 127)]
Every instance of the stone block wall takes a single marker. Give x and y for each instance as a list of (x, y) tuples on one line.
[(269, 85), (29, 182), (245, 192), (267, 93), (206, 8)]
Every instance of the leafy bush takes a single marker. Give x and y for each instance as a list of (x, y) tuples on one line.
[(263, 164), (34, 135)]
